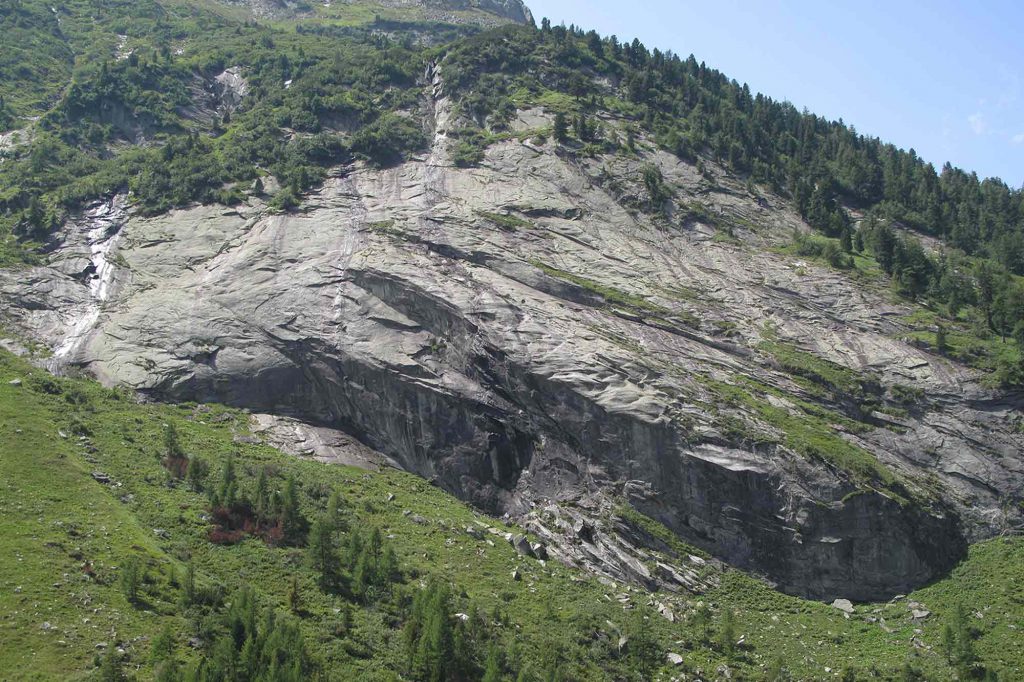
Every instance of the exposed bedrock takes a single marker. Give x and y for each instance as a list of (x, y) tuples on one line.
[(571, 351)]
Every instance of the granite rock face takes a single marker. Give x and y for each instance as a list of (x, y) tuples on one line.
[(531, 332)]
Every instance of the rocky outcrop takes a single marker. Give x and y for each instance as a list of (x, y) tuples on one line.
[(323, 444), (230, 87), (513, 10), (487, 12), (210, 99), (589, 533), (527, 332), (14, 138)]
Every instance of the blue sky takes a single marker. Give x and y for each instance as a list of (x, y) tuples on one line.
[(945, 78)]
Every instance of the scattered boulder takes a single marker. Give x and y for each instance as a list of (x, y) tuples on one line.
[(674, 659), (522, 545), (918, 611), (10, 345), (14, 382), (844, 605), (101, 477)]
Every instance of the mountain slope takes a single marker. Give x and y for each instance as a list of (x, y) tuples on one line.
[(78, 508), (48, 45), (524, 332), (600, 289)]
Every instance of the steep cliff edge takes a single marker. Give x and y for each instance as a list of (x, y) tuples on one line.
[(533, 331)]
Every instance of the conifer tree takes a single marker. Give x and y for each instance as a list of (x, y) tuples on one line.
[(561, 132), (846, 240), (581, 127), (643, 647), (112, 668), (727, 635), (228, 492), (492, 669), (172, 444), (294, 596), (321, 553), (959, 640), (163, 645), (336, 511), (702, 619), (189, 592), (429, 634), (131, 579), (292, 521), (909, 673), (262, 500)]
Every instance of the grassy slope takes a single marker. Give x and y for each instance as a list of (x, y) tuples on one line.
[(54, 517), (45, 47)]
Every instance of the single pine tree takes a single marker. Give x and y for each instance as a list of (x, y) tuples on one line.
[(561, 132)]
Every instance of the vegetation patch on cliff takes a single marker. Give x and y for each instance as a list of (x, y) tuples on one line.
[(610, 294), (808, 430), (830, 375)]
